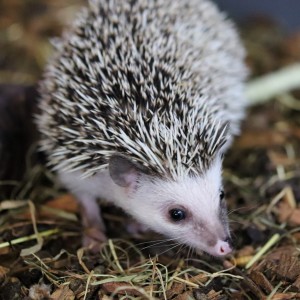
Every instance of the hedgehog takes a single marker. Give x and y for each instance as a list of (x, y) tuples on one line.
[(138, 105)]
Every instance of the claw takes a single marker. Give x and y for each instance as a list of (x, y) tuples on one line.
[(93, 238)]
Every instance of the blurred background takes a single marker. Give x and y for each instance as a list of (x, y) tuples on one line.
[(26, 26), (286, 13)]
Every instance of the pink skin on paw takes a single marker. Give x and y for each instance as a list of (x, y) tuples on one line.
[(93, 226), (93, 238)]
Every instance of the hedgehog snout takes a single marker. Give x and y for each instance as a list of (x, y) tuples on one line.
[(223, 247)]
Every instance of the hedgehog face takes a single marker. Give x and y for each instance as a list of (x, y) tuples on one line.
[(191, 210)]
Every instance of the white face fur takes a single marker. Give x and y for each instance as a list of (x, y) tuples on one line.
[(191, 210)]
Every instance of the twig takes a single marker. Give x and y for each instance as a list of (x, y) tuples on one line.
[(114, 254), (29, 238), (265, 87), (274, 239), (87, 284)]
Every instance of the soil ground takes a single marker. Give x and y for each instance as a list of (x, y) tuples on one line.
[(40, 232)]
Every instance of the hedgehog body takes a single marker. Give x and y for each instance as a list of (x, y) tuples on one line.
[(144, 89)]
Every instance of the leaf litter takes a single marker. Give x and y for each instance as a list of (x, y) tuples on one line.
[(40, 234)]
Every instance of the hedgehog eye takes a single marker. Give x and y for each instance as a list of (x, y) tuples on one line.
[(222, 195), (177, 214)]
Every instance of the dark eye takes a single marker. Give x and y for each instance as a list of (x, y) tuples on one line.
[(177, 214), (222, 195)]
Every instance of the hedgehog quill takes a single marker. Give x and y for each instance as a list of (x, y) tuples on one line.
[(138, 105)]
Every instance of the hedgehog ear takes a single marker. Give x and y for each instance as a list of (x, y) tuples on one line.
[(123, 171)]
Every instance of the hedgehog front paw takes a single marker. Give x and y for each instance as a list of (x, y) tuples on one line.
[(93, 238)]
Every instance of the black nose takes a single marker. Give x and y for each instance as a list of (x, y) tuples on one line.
[(228, 240)]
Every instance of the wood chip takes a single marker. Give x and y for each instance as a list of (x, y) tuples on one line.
[(243, 260), (63, 293), (262, 138), (284, 212), (65, 202), (185, 296), (213, 295), (285, 296), (294, 219), (3, 272), (296, 283), (261, 280), (277, 254), (286, 267), (247, 250), (200, 278), (125, 288), (177, 289)]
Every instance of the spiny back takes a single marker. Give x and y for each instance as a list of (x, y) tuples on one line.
[(160, 81)]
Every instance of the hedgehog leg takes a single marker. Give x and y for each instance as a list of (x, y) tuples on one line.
[(94, 228)]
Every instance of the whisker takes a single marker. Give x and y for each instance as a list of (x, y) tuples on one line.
[(181, 248), (157, 245), (193, 251), (152, 243), (240, 208), (162, 242), (148, 242), (188, 254), (178, 244), (238, 222)]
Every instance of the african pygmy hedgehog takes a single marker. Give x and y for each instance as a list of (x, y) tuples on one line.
[(138, 105)]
